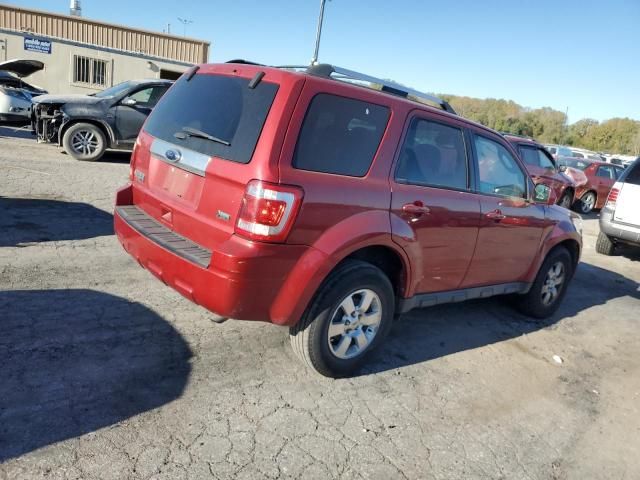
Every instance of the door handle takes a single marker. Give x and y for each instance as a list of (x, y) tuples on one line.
[(496, 215), (415, 208)]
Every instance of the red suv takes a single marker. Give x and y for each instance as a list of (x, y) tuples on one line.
[(543, 169), (305, 200)]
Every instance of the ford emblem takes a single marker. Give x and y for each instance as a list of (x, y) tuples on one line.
[(172, 155)]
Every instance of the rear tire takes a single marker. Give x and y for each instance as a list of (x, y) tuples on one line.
[(586, 203), (84, 141), (604, 245), (550, 285), (332, 337)]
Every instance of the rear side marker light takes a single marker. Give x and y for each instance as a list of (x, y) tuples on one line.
[(612, 198), (268, 211)]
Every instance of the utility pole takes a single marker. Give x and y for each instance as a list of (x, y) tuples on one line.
[(314, 60), (185, 22)]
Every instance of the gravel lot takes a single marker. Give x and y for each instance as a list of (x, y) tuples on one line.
[(107, 373)]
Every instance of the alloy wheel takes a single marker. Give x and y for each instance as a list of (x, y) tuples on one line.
[(553, 283), (84, 142), (354, 324)]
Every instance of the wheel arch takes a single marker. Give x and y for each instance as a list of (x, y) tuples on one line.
[(104, 128)]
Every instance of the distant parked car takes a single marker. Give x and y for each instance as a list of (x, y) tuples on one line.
[(558, 151), (86, 125), (620, 217), (543, 169), (15, 93), (600, 178)]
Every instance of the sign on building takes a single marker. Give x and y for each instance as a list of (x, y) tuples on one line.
[(32, 44)]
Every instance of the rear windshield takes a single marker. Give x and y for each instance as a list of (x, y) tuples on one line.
[(633, 176), (218, 106)]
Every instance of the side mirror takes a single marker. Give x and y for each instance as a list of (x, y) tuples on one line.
[(130, 102), (544, 194), (562, 168)]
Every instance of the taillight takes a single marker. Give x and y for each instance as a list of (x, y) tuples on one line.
[(612, 198), (268, 211), (132, 159)]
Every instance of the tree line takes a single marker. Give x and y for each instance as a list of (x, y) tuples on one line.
[(616, 135)]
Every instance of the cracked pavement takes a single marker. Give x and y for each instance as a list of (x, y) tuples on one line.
[(108, 374)]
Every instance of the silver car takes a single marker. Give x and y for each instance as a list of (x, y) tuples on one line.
[(620, 217), (15, 93)]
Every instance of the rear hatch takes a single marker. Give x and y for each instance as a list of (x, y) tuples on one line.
[(628, 201), (212, 133)]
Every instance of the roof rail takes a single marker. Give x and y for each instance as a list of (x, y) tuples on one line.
[(526, 137), (338, 73)]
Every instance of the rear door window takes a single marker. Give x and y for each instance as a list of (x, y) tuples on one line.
[(218, 106), (434, 155), (340, 135)]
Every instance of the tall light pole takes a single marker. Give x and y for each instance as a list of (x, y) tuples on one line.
[(314, 60), (185, 22)]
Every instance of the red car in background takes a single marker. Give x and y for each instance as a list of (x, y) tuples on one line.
[(600, 178), (543, 169)]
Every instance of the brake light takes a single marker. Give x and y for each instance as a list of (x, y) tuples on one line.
[(612, 198), (268, 211)]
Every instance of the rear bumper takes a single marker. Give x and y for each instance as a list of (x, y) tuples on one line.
[(618, 231), (240, 280)]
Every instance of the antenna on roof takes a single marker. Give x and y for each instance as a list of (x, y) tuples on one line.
[(75, 9)]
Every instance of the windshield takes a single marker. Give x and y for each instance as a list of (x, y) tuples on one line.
[(115, 90)]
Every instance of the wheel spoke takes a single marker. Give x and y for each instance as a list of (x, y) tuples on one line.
[(336, 329), (371, 319), (348, 306), (362, 340), (343, 346), (365, 302)]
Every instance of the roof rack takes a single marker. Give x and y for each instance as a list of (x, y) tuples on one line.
[(343, 74), (338, 73)]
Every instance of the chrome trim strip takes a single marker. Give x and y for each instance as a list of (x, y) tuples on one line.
[(181, 157)]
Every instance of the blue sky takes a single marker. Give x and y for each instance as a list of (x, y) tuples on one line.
[(581, 55)]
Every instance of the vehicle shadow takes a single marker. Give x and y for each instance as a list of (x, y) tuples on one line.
[(425, 334), (75, 361), (16, 132), (28, 220), (116, 156)]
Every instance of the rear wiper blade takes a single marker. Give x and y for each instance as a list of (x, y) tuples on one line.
[(192, 132)]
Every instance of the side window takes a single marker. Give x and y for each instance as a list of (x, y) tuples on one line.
[(499, 172), (433, 154), (606, 172), (529, 155), (148, 97), (340, 135), (545, 159)]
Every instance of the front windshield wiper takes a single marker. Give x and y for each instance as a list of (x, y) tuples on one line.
[(192, 132)]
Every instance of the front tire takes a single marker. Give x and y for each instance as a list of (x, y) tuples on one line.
[(550, 285), (84, 141), (604, 245), (349, 317), (566, 200)]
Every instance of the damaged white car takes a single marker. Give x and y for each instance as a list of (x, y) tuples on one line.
[(15, 93)]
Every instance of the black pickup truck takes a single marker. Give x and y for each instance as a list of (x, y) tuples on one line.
[(86, 125)]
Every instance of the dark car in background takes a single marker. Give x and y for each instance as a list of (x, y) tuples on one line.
[(543, 169), (600, 178), (87, 125)]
